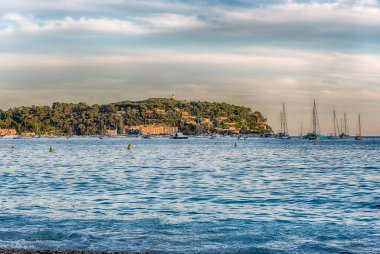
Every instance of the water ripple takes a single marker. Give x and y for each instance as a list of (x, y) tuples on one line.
[(191, 196)]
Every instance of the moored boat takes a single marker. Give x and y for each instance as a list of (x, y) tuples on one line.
[(283, 134), (344, 128), (178, 135), (315, 133), (359, 136), (312, 136), (267, 134), (215, 136), (336, 128), (147, 136)]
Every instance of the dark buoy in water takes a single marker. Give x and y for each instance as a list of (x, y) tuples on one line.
[(50, 150), (129, 146), (13, 147), (235, 144)]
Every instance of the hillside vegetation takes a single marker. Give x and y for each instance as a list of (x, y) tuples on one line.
[(84, 119)]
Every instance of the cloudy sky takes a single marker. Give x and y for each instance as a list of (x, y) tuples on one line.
[(253, 53)]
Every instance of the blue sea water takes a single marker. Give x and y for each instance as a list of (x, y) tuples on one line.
[(191, 196)]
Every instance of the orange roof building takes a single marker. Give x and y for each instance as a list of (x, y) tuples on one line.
[(153, 129), (4, 132), (111, 132)]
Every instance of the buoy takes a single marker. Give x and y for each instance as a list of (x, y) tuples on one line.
[(50, 150), (235, 144), (13, 147), (129, 146)]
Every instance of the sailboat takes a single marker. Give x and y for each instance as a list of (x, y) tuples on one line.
[(359, 136), (301, 133), (283, 134), (200, 133), (116, 133), (178, 135), (242, 137), (103, 135), (336, 128), (37, 134), (345, 133), (315, 133), (215, 136)]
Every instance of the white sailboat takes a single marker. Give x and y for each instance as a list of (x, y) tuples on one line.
[(283, 134), (336, 128), (200, 132), (301, 133), (315, 133), (345, 133), (215, 136), (359, 136)]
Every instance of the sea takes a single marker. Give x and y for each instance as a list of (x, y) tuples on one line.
[(197, 195)]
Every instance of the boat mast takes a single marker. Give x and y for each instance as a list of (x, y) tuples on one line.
[(104, 127), (360, 127), (336, 125), (346, 131), (200, 128), (281, 122), (315, 118), (301, 129), (285, 122)]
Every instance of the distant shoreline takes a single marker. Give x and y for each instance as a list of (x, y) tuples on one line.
[(161, 116)]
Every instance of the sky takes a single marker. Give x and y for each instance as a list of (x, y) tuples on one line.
[(253, 53)]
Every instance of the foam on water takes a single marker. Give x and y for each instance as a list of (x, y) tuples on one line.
[(196, 195)]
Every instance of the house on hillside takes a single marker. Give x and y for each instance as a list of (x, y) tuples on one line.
[(222, 118), (160, 111), (4, 132), (111, 132), (185, 115), (151, 129)]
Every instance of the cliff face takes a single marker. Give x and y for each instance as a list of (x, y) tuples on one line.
[(81, 119)]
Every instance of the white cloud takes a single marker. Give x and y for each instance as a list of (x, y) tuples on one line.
[(90, 6), (365, 12), (15, 22), (268, 61), (172, 21), (20, 23)]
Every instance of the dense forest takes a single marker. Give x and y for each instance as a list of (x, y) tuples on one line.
[(84, 119)]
